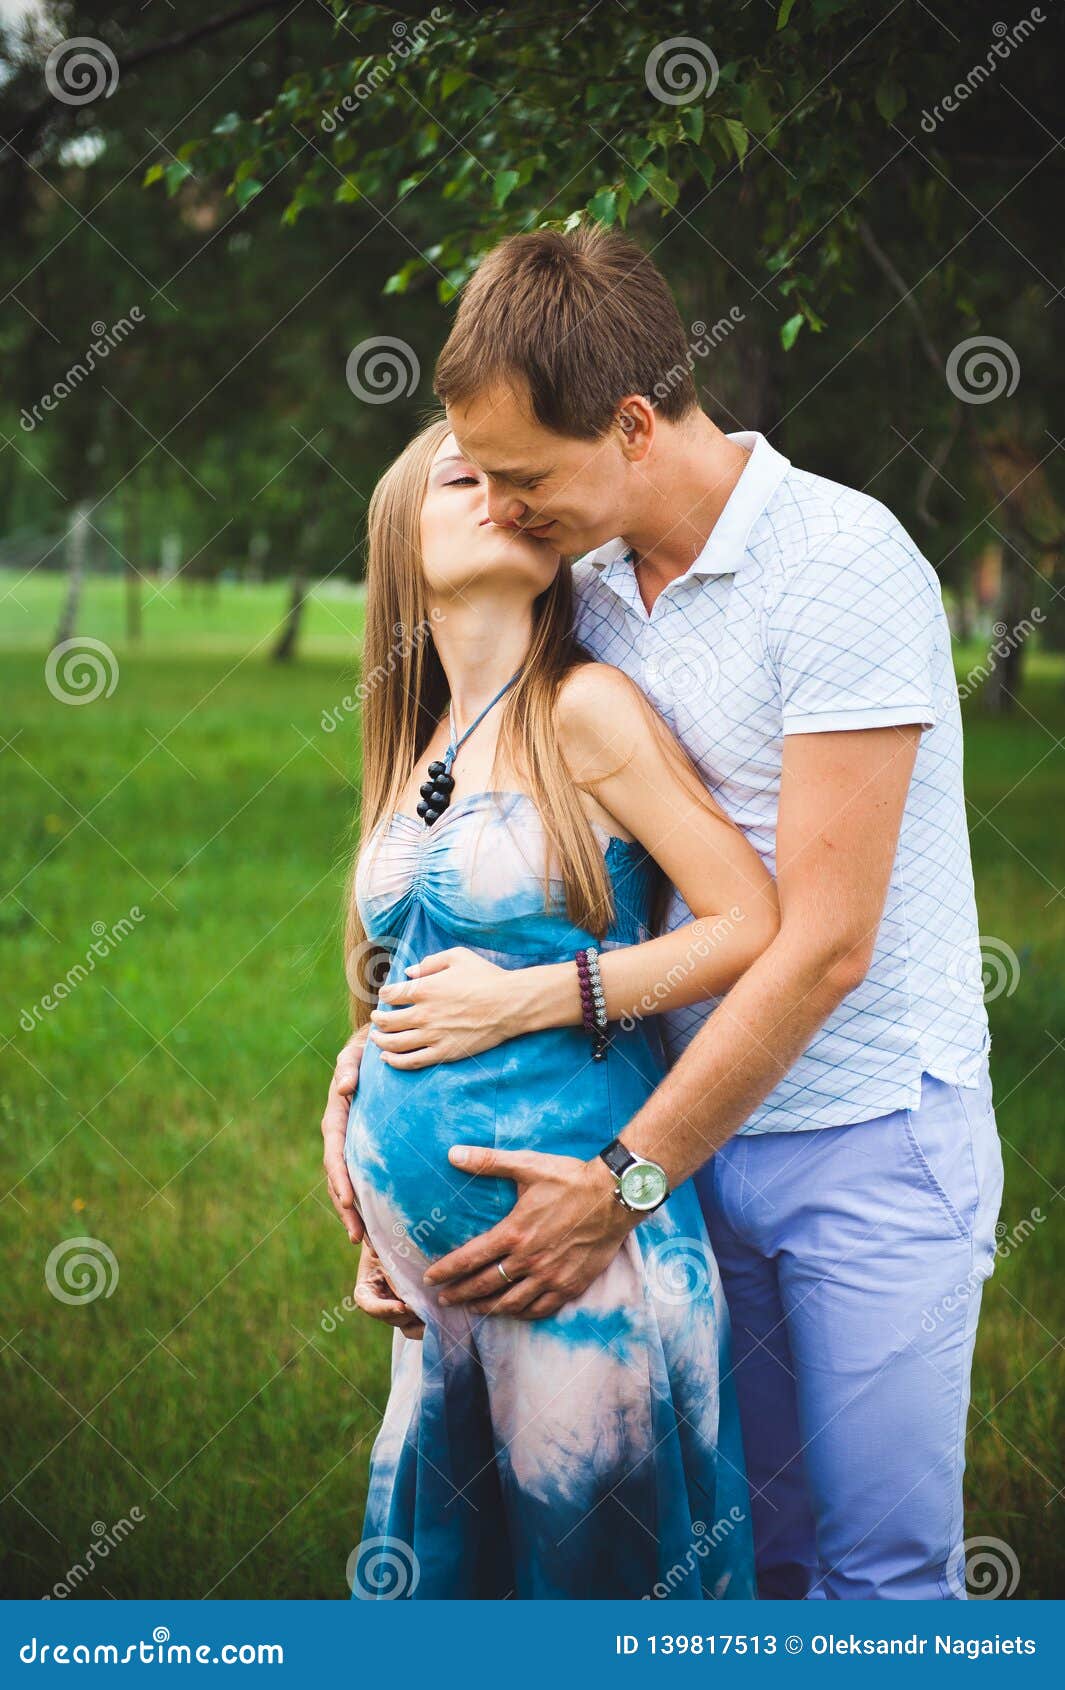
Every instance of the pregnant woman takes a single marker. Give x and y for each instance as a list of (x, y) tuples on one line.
[(529, 804)]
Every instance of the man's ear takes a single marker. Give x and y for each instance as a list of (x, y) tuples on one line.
[(636, 421)]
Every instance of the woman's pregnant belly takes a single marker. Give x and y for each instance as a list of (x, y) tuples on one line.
[(541, 1091)]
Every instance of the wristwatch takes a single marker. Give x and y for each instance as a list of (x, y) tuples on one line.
[(641, 1185)]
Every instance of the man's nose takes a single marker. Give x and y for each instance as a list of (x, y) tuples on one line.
[(504, 509)]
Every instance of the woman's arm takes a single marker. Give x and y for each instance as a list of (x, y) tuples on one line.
[(376, 1296), (334, 1132), (621, 752)]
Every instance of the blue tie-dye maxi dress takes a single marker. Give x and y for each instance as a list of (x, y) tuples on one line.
[(595, 1453)]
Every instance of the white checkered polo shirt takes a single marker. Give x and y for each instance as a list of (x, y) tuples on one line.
[(809, 610)]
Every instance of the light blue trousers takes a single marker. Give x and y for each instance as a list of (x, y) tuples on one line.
[(853, 1260)]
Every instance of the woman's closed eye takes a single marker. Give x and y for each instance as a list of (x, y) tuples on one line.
[(462, 481)]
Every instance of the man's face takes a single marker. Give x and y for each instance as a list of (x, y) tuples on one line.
[(570, 492)]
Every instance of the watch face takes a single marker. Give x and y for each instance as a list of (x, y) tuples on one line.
[(643, 1185)]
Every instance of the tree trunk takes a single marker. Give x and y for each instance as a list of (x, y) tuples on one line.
[(131, 535), (9, 463), (76, 547), (1006, 657), (285, 649)]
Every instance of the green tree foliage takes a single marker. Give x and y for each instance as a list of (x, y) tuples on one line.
[(842, 193)]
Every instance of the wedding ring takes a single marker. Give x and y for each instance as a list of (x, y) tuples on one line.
[(504, 1273)]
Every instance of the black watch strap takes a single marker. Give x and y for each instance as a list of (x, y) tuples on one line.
[(617, 1157)]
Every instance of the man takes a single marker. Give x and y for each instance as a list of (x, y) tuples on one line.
[(835, 1109)]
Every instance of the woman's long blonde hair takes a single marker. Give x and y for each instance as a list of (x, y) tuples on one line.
[(405, 696)]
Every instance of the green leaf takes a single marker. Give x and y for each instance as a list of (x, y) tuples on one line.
[(451, 80), (639, 148), (458, 182), (247, 190), (737, 134), (706, 167), (427, 142), (402, 278), (597, 94), (152, 174), (662, 186), (789, 332), (481, 101), (635, 181), (175, 174), (890, 99), (226, 125), (784, 14), (603, 206), (757, 114), (347, 192), (691, 120), (450, 283), (505, 183)]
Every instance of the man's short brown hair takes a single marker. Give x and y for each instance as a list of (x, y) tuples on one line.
[(581, 319)]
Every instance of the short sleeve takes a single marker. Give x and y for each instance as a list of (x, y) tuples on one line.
[(852, 635)]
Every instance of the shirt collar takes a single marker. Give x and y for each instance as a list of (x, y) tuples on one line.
[(723, 553)]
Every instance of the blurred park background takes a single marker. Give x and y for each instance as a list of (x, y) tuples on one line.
[(233, 235)]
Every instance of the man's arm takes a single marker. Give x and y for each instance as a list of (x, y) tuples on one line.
[(841, 804)]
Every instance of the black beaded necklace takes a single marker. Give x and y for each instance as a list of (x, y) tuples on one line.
[(436, 791)]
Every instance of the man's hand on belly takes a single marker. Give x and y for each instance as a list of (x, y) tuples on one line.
[(565, 1229)]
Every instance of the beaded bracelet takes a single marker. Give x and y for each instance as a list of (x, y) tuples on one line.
[(593, 1001)]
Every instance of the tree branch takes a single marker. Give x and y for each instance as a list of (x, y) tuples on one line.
[(1054, 542), (33, 119)]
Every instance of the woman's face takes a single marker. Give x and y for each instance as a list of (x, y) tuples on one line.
[(461, 545)]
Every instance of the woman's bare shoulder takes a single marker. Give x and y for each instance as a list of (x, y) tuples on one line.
[(599, 711)]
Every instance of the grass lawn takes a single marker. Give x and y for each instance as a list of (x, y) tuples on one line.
[(169, 1106), (179, 617)]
